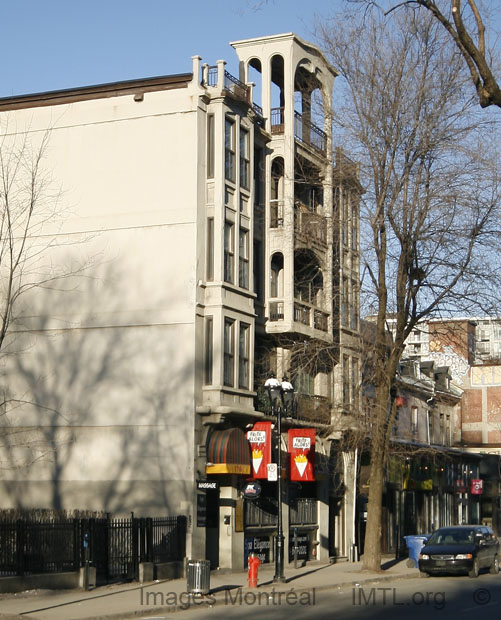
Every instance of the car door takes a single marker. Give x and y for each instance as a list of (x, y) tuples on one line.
[(487, 548)]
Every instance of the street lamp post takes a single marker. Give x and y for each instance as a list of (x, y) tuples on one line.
[(282, 392)]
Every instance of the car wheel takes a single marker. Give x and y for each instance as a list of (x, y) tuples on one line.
[(424, 574), (474, 569), (494, 568)]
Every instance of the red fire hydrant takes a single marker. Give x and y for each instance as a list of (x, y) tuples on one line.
[(253, 563)]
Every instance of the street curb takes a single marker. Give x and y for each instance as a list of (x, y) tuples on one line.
[(155, 611)]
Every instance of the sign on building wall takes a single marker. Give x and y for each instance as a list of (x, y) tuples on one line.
[(302, 454), (259, 438), (477, 486)]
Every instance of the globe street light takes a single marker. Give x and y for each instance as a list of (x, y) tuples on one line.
[(283, 393)]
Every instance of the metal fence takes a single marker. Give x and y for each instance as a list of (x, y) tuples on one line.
[(114, 546)]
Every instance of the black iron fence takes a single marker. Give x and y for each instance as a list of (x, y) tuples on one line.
[(114, 546)]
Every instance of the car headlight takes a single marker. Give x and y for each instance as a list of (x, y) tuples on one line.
[(424, 556), (463, 556)]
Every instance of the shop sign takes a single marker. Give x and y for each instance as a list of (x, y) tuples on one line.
[(302, 454), (251, 490), (259, 438), (260, 546), (207, 485), (460, 486), (477, 486), (301, 544)]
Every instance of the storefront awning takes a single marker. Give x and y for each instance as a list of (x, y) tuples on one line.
[(228, 452)]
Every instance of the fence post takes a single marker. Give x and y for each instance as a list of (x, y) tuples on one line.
[(20, 542), (135, 532), (149, 540), (76, 544)]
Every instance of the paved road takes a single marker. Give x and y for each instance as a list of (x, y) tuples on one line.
[(437, 597)]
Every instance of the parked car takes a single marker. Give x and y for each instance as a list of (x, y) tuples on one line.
[(460, 549)]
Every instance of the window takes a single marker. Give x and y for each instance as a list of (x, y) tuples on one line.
[(244, 158), (210, 146), (276, 275), (354, 226), (345, 302), (304, 382), (243, 258), (258, 269), (346, 382), (210, 248), (229, 252), (208, 356), (447, 430), (243, 356), (353, 307), (442, 429), (229, 355), (414, 421), (354, 383), (229, 147)]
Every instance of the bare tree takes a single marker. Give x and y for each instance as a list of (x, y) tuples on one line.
[(465, 24), (431, 208)]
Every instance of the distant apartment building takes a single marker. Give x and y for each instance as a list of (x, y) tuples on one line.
[(219, 239), (469, 348)]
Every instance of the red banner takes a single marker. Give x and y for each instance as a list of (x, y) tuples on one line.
[(302, 454), (260, 442)]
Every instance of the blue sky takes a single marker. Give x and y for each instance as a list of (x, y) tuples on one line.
[(56, 44)]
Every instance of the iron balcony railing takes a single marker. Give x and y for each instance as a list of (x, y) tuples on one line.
[(276, 310), (308, 133), (277, 120), (311, 316), (309, 226), (305, 131), (301, 313), (231, 84)]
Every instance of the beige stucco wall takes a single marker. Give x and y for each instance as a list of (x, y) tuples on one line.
[(106, 357)]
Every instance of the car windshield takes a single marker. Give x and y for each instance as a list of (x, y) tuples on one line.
[(452, 537)]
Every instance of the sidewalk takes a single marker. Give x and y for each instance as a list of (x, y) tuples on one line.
[(124, 601)]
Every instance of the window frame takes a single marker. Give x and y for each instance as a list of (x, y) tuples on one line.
[(229, 148), (229, 252), (211, 150), (229, 352), (243, 258), (243, 355), (244, 157), (208, 350)]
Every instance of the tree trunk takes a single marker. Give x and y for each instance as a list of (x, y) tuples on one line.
[(372, 545)]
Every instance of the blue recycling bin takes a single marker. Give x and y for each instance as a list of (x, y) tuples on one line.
[(415, 544)]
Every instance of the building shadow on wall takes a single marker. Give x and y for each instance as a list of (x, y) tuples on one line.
[(99, 409)]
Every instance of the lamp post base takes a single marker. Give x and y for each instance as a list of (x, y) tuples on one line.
[(279, 560), (277, 579)]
